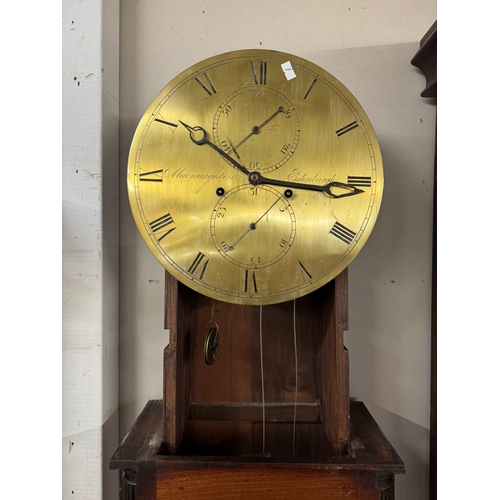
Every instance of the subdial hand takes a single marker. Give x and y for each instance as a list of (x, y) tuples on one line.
[(199, 136), (233, 148), (256, 178), (257, 128), (252, 226)]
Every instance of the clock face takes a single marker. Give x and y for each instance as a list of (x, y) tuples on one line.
[(255, 177)]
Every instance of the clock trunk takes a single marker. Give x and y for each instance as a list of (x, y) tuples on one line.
[(217, 409)]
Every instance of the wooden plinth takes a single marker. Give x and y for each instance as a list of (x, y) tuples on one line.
[(149, 473)]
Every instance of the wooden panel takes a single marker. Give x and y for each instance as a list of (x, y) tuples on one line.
[(146, 481), (369, 443), (144, 439), (236, 377), (275, 412), (231, 378), (176, 362), (263, 482), (335, 365), (245, 439)]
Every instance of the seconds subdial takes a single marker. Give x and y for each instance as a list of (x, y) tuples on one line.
[(259, 127), (234, 229)]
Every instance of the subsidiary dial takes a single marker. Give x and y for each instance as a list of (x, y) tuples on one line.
[(253, 227), (258, 126)]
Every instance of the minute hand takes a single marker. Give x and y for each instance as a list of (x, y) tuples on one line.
[(256, 178), (194, 133)]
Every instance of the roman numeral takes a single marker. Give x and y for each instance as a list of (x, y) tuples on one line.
[(250, 282), (170, 125), (199, 265), (359, 180), (209, 87), (347, 128), (261, 78), (342, 233), (158, 225), (310, 88), (153, 176), (305, 273)]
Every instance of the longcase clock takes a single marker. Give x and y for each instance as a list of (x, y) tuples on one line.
[(255, 178)]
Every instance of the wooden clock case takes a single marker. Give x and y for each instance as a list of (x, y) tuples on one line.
[(206, 438)]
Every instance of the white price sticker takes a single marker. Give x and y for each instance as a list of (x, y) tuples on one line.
[(288, 70)]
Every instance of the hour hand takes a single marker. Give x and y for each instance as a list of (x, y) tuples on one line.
[(199, 136), (256, 178)]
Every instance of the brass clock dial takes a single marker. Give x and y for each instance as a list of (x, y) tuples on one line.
[(255, 177)]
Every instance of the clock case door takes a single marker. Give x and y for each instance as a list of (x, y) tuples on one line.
[(216, 410)]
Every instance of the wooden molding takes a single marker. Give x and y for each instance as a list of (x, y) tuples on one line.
[(426, 60)]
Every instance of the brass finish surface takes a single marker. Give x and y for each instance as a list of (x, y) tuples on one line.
[(252, 188)]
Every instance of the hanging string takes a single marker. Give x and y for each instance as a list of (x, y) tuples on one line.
[(262, 380), (296, 378)]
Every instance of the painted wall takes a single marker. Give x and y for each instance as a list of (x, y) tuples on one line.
[(368, 46), (90, 252)]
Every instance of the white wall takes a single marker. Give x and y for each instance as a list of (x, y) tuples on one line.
[(368, 46), (90, 35)]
